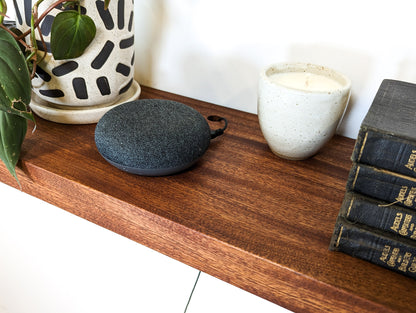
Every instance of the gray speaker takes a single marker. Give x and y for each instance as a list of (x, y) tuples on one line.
[(154, 137)]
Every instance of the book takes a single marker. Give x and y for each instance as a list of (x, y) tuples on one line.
[(387, 135), (398, 220), (381, 184), (389, 251)]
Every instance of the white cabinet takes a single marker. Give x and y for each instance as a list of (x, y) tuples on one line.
[(52, 261), (214, 295)]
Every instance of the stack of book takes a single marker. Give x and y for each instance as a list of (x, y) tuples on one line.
[(377, 219)]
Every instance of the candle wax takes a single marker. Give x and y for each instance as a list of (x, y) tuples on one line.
[(305, 81)]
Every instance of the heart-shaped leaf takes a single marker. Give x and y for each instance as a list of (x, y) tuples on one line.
[(12, 133), (71, 34), (15, 86), (15, 93)]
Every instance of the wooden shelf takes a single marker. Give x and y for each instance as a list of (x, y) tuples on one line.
[(240, 214)]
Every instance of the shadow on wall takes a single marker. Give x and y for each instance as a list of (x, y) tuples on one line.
[(150, 22), (224, 80), (407, 69), (353, 64), (233, 80)]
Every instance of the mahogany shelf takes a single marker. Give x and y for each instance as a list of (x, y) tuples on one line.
[(240, 214)]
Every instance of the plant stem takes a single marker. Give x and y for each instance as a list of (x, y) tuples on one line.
[(3, 10), (15, 36), (40, 18)]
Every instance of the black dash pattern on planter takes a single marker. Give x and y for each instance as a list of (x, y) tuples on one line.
[(65, 68), (125, 88), (123, 69), (52, 93), (127, 43), (42, 74), (46, 25), (17, 12), (130, 27), (103, 55), (28, 11), (70, 7), (80, 88), (120, 14), (105, 15), (41, 45), (103, 85)]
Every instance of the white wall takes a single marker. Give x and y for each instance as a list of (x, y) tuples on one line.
[(214, 50)]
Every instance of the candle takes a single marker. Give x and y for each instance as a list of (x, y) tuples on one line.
[(305, 81), (300, 106)]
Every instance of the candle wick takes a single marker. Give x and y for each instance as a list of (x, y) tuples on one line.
[(307, 80)]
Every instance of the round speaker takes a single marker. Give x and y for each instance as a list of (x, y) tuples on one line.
[(154, 137)]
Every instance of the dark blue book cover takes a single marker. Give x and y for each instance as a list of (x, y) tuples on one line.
[(381, 215), (389, 251), (387, 136), (393, 188)]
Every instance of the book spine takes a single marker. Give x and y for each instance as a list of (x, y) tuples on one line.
[(385, 151), (375, 247), (380, 215), (384, 185)]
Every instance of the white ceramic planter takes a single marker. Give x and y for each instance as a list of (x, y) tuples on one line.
[(81, 90)]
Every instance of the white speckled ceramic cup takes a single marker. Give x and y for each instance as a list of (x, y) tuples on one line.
[(300, 106)]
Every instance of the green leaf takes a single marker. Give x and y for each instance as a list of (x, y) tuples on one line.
[(3, 10), (12, 133), (15, 86), (71, 34), (15, 93)]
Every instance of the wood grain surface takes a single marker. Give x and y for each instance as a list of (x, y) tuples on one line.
[(240, 214)]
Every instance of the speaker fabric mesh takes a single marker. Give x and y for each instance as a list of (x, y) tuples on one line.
[(152, 137)]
